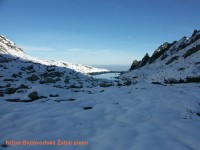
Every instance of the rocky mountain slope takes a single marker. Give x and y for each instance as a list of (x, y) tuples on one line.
[(175, 62), (21, 74), (8, 47)]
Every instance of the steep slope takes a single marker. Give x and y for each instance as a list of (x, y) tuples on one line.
[(24, 78), (174, 62), (8, 47)]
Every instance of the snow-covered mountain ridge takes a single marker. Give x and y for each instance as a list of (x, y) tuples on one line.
[(22, 75), (8, 47), (174, 62)]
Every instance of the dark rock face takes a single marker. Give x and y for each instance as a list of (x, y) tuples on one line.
[(145, 60), (162, 48), (195, 36), (134, 65)]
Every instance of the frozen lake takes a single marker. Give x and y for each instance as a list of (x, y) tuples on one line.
[(108, 76)]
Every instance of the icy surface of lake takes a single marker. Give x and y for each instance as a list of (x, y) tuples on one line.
[(108, 76)]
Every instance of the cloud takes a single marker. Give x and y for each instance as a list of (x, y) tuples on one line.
[(36, 48)]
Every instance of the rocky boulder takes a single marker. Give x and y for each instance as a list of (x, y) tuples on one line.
[(33, 95)]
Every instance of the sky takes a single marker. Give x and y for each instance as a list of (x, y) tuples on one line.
[(95, 32)]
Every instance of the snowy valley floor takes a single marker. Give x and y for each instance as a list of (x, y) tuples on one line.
[(138, 117)]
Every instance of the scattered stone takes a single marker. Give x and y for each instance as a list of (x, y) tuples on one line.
[(13, 100), (6, 80), (55, 74), (58, 86), (15, 75), (105, 85), (90, 92), (20, 91), (74, 86), (1, 94), (57, 79), (30, 67), (71, 99), (87, 108), (49, 69), (156, 83), (47, 80), (11, 90), (33, 77), (127, 83), (180, 69), (33, 95), (51, 95), (22, 86), (66, 80)]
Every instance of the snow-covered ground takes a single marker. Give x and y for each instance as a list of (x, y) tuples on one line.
[(137, 117)]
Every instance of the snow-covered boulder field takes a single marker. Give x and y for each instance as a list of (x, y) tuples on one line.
[(141, 116), (55, 105)]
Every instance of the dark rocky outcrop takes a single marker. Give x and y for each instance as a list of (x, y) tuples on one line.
[(167, 49), (191, 51), (145, 60), (135, 65), (162, 48), (172, 59)]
